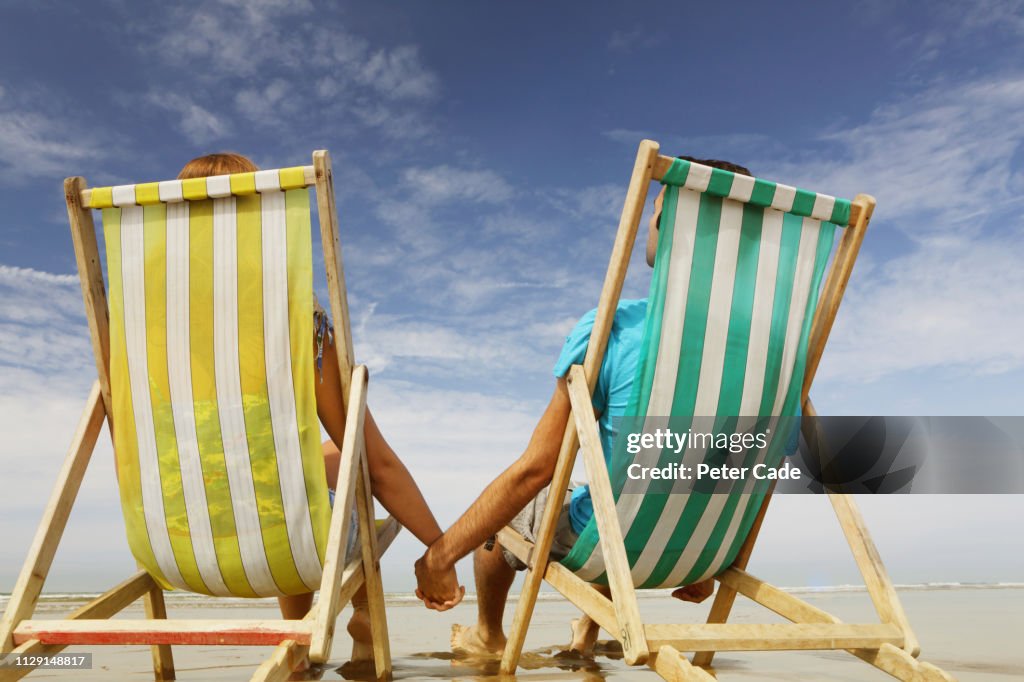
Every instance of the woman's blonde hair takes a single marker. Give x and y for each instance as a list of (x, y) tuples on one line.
[(222, 163)]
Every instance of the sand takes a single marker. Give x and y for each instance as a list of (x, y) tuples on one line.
[(974, 633)]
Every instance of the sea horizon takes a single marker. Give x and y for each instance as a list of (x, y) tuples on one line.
[(181, 598)]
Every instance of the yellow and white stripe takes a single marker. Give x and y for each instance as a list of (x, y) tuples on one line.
[(197, 189), (216, 433)]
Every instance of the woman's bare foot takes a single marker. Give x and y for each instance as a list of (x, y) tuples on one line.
[(696, 592), (362, 635), (468, 640), (584, 636)]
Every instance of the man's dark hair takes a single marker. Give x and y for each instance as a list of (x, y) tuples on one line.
[(714, 163), (721, 165)]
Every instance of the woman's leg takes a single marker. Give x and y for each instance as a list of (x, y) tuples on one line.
[(297, 606)]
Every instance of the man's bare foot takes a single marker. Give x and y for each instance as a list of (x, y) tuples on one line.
[(584, 636), (362, 635), (696, 592), (468, 640)]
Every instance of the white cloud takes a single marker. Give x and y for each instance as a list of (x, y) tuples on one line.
[(198, 124), (942, 164), (935, 161), (267, 52), (42, 324), (446, 183), (956, 26), (35, 143), (398, 74), (635, 38), (954, 303), (230, 37), (602, 202), (14, 276), (628, 135), (393, 122), (268, 104)]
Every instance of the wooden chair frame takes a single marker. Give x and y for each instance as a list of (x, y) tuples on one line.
[(889, 645), (294, 639)]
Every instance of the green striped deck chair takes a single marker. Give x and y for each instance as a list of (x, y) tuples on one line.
[(207, 373), (734, 289), (737, 316)]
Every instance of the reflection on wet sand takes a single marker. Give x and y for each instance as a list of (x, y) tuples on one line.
[(980, 642), (550, 663)]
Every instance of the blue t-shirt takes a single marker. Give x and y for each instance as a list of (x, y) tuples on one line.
[(614, 382), (614, 385)]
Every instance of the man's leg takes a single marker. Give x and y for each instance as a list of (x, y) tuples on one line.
[(585, 630), (495, 569), (494, 578)]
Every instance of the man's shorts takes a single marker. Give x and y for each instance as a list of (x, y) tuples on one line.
[(527, 524)]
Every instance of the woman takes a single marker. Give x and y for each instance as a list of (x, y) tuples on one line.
[(390, 481)]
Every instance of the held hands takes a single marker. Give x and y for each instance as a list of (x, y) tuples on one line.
[(437, 585)]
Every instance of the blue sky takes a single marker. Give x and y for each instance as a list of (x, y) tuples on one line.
[(481, 153)]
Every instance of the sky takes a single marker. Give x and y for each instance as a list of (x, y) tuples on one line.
[(481, 155)]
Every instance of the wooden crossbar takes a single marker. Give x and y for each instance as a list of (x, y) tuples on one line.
[(308, 176), (104, 606), (191, 632), (772, 637)]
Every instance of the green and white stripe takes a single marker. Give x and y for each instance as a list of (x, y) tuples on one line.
[(763, 193), (215, 427), (734, 289)]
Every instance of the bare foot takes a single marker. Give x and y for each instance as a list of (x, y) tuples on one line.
[(584, 636), (362, 635), (468, 640), (696, 592)]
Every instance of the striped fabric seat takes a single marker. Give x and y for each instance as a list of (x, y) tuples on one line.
[(734, 289), (212, 379)]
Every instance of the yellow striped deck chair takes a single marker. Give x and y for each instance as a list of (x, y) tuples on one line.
[(204, 342), (738, 314)]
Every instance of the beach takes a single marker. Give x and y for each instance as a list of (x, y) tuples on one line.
[(973, 632)]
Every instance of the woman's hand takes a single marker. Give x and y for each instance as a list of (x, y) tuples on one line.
[(437, 585)]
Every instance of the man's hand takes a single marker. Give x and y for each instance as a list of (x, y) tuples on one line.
[(437, 584)]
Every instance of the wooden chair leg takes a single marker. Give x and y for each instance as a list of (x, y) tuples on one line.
[(674, 667), (278, 668), (330, 602), (287, 656), (880, 587), (163, 660), (627, 611), (726, 597), (371, 572), (625, 236), (33, 574), (542, 548)]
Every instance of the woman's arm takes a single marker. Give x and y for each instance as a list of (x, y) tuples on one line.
[(394, 486), (390, 481)]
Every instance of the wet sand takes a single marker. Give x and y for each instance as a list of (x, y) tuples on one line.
[(973, 633)]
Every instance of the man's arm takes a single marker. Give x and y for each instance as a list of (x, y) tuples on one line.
[(500, 501)]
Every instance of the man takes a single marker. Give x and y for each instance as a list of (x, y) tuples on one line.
[(519, 494)]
